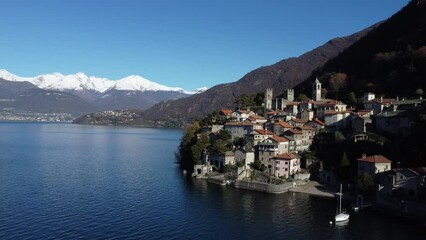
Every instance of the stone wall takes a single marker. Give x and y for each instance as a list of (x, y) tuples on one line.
[(263, 187)]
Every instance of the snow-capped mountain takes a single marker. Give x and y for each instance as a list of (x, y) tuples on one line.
[(82, 82), (132, 92)]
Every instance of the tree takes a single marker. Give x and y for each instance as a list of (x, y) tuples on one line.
[(352, 99), (344, 165), (365, 182), (224, 135), (302, 97), (219, 146), (227, 168), (337, 82)]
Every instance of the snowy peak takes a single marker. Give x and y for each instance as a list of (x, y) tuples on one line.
[(138, 83), (82, 82)]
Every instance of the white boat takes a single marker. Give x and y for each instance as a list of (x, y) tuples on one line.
[(341, 216)]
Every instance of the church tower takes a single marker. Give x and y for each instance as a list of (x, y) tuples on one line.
[(290, 94), (268, 98), (316, 90)]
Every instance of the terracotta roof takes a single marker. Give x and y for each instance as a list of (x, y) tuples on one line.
[(293, 104), (306, 128), (375, 159), (329, 103), (298, 120), (284, 124), (294, 131), (287, 156), (364, 111), (226, 112), (271, 113), (257, 117), (264, 132), (319, 122), (382, 100), (279, 139), (333, 112), (238, 124)]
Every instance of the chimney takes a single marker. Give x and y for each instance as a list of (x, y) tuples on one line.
[(363, 155), (381, 99)]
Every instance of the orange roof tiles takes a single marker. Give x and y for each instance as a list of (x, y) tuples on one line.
[(287, 156), (284, 124), (316, 120), (279, 139), (264, 132), (375, 159), (226, 112)]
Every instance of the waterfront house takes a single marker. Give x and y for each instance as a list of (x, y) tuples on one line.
[(399, 182), (220, 160), (285, 165), (244, 156), (271, 147), (373, 164)]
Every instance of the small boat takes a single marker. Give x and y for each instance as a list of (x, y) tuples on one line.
[(341, 216)]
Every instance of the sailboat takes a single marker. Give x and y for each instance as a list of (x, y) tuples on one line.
[(341, 216)]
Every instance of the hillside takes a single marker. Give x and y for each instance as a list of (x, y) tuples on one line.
[(390, 60), (284, 74)]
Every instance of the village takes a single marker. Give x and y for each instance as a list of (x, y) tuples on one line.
[(269, 156)]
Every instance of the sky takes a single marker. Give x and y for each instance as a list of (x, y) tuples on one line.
[(178, 43)]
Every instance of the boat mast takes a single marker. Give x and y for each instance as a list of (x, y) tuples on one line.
[(340, 203), (340, 199)]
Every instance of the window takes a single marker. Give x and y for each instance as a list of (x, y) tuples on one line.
[(285, 169), (286, 163)]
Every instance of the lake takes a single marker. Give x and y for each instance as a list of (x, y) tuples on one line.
[(64, 181)]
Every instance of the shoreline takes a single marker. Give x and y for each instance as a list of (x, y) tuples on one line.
[(314, 188)]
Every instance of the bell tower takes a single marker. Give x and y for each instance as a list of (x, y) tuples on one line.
[(268, 98), (316, 90)]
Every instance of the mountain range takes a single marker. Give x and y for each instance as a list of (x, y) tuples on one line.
[(387, 58), (79, 94)]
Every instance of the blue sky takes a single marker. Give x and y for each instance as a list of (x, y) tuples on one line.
[(186, 43)]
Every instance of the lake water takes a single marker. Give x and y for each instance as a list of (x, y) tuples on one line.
[(64, 181)]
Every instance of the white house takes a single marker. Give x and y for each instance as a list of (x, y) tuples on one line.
[(285, 165), (271, 147), (243, 156), (373, 164)]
